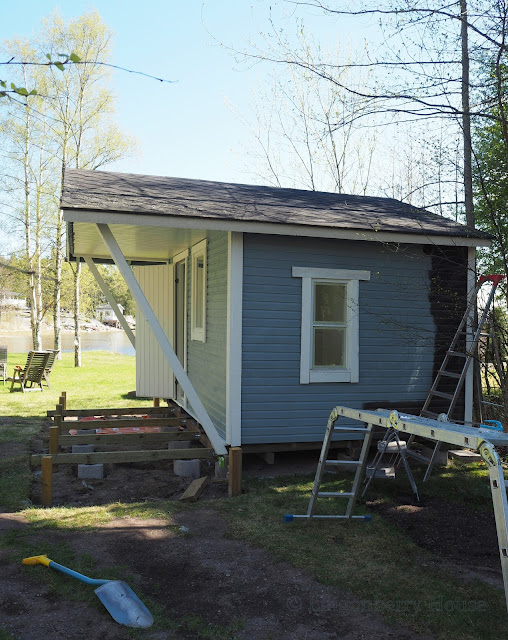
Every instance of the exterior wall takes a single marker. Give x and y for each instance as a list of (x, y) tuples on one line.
[(397, 333), (154, 377), (206, 361)]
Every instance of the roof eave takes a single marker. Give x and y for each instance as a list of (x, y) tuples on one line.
[(270, 228)]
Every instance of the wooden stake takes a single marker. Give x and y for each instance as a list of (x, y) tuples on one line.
[(58, 419), (235, 472), (47, 481), (54, 433), (156, 402), (63, 400)]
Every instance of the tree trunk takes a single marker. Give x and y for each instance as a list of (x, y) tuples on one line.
[(466, 118)]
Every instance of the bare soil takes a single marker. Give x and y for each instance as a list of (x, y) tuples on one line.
[(203, 574)]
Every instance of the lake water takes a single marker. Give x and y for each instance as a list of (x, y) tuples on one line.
[(116, 341)]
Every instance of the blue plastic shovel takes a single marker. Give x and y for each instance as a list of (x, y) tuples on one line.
[(119, 599)]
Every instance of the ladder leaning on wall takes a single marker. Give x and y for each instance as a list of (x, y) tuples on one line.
[(454, 369)]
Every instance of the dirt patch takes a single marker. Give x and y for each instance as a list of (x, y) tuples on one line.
[(198, 575), (10, 449), (464, 538), (123, 483)]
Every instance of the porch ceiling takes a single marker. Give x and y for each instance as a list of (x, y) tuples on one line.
[(140, 244)]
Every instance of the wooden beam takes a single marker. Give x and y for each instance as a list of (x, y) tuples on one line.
[(194, 490), (111, 299), (47, 481), (127, 438), (162, 339), (118, 457), (235, 472), (122, 411), (125, 422), (63, 395)]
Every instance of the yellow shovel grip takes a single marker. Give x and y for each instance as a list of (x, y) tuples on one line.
[(37, 560)]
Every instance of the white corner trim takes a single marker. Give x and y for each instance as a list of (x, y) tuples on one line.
[(198, 250), (332, 274), (234, 340), (468, 383)]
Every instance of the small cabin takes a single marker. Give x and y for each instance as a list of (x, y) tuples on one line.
[(261, 308)]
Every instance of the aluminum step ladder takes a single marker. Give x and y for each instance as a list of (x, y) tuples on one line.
[(454, 367), (360, 464), (393, 446)]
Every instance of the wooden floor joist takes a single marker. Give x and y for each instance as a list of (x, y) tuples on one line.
[(178, 425)]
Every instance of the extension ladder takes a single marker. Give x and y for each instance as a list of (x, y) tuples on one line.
[(360, 464), (454, 367)]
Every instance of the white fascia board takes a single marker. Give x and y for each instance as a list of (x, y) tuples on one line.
[(213, 224)]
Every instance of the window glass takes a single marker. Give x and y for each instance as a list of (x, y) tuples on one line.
[(329, 302), (329, 347)]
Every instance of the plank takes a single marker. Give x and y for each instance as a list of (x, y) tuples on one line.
[(118, 457), (126, 411), (194, 490), (126, 438), (123, 422)]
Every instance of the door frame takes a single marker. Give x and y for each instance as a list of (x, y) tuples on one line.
[(180, 257)]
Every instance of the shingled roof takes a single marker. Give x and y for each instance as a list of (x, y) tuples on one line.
[(102, 191)]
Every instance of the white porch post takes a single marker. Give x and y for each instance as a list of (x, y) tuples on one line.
[(109, 297), (162, 339)]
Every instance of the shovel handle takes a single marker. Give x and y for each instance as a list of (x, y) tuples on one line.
[(37, 560), (59, 567)]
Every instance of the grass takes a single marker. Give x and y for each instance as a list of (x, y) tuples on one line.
[(375, 561), (102, 381)]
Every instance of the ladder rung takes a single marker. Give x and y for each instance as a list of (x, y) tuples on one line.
[(351, 462), (417, 456), (456, 353), (450, 374), (335, 494), (440, 394), (348, 429)]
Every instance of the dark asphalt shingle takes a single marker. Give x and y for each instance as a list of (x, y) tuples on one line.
[(156, 195)]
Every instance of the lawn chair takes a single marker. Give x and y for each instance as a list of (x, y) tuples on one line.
[(3, 363), (32, 373), (49, 364)]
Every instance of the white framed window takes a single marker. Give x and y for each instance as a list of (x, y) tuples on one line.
[(198, 292), (329, 349)]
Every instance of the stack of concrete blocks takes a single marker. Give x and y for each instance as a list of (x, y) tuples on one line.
[(87, 471), (185, 468)]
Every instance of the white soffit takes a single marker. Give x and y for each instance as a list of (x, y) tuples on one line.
[(137, 243), (126, 223)]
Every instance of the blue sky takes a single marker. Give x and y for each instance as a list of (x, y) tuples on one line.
[(184, 129)]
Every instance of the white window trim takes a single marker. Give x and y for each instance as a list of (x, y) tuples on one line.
[(197, 251), (351, 278)]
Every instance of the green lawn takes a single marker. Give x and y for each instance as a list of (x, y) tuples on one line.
[(376, 561)]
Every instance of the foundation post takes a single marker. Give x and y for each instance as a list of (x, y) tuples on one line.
[(47, 481), (54, 433), (235, 472), (63, 400), (156, 402)]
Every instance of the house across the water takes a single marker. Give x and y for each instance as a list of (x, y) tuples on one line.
[(272, 305)]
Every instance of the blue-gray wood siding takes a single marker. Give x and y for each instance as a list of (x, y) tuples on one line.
[(206, 361), (397, 333)]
